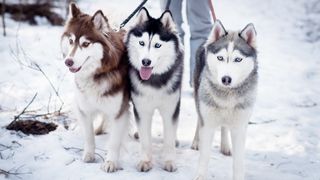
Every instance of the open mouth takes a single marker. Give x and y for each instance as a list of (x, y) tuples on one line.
[(145, 72), (74, 70)]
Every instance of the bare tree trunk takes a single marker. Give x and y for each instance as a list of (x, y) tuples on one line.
[(3, 20)]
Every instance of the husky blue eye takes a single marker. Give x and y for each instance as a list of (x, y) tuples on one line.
[(141, 43), (237, 59), (220, 58), (157, 45)]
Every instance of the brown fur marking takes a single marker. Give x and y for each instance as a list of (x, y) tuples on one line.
[(114, 64)]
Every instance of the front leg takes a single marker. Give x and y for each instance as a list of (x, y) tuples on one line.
[(195, 142), (238, 137), (206, 134), (87, 127), (170, 116), (225, 144), (118, 130), (144, 119)]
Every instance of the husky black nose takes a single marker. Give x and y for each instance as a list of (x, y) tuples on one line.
[(226, 80), (146, 62), (69, 62)]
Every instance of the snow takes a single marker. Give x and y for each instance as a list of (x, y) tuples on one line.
[(282, 141)]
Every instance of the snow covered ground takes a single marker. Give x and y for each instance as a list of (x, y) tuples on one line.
[(283, 139)]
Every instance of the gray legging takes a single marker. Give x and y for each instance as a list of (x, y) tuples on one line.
[(199, 20)]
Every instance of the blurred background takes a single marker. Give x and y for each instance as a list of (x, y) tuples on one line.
[(283, 136)]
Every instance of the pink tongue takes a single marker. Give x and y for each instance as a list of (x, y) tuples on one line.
[(145, 73)]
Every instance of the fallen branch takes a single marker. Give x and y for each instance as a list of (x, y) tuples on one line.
[(70, 162), (307, 105), (24, 110), (30, 126), (263, 122), (80, 150), (52, 86), (43, 115), (4, 147), (13, 172), (29, 63), (49, 101), (10, 147)]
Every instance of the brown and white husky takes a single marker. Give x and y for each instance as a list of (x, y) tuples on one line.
[(98, 58)]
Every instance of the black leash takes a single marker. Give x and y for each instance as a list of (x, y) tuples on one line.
[(168, 4), (132, 14)]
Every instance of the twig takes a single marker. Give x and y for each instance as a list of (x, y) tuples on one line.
[(80, 150), (29, 63), (41, 115), (73, 148), (310, 105), (5, 147), (10, 147), (70, 162), (61, 80), (24, 110), (24, 60), (54, 89), (49, 101), (13, 172), (283, 163), (263, 122), (16, 142)]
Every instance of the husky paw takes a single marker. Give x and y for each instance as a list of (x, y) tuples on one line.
[(144, 166), (195, 146), (170, 166), (225, 151), (88, 157), (109, 167), (199, 177)]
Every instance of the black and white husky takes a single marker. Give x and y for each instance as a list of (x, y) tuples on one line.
[(156, 59), (225, 83)]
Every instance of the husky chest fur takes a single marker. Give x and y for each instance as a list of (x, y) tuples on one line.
[(156, 66), (225, 82), (97, 56)]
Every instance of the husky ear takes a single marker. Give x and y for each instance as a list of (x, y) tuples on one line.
[(74, 11), (100, 22), (143, 16), (167, 21), (217, 32), (249, 35)]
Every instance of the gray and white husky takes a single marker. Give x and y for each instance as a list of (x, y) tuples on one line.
[(225, 83), (156, 59)]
